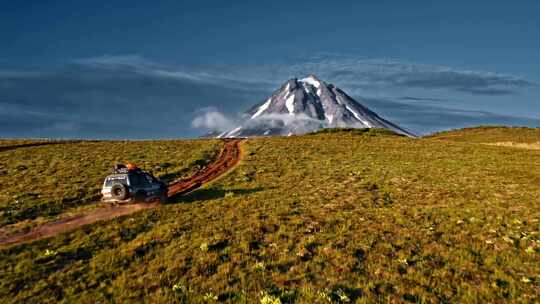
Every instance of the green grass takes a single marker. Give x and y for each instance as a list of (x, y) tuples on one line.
[(338, 217), (17, 143), (491, 134), (364, 131), (44, 181)]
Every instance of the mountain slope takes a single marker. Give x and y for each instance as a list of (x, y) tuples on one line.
[(305, 105)]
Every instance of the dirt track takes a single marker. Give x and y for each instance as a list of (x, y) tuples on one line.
[(228, 158)]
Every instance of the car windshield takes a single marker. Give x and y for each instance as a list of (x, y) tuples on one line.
[(115, 179)]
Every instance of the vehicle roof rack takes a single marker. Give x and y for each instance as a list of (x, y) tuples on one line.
[(119, 169), (123, 169)]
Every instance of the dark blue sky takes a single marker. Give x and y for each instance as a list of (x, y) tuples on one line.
[(429, 65)]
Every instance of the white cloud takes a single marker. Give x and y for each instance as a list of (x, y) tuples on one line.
[(117, 61), (211, 119)]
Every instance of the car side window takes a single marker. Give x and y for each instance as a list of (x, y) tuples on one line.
[(142, 180), (136, 180), (150, 179)]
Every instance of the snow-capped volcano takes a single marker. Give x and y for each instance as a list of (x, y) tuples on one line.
[(305, 105)]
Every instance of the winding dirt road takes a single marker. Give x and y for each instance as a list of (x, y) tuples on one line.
[(229, 156)]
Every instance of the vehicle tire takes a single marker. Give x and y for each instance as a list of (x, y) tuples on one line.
[(140, 196), (119, 192)]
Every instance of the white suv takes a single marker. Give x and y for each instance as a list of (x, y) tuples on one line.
[(132, 184)]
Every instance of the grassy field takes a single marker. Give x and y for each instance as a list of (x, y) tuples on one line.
[(44, 181), (489, 134), (10, 144), (334, 217), (18, 142)]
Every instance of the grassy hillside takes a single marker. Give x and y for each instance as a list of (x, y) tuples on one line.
[(43, 181), (18, 142), (337, 217), (11, 144), (489, 134)]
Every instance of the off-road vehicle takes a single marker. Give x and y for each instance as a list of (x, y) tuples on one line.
[(129, 183)]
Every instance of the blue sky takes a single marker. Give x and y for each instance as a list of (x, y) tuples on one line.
[(67, 68)]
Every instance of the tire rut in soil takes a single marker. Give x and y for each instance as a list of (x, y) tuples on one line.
[(229, 156)]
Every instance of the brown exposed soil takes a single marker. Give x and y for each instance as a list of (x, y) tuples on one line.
[(228, 158)]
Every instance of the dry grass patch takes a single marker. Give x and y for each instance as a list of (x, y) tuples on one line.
[(531, 146)]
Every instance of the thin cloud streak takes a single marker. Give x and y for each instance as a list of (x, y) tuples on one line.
[(351, 73)]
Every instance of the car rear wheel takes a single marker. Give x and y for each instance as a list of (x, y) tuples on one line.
[(119, 192)]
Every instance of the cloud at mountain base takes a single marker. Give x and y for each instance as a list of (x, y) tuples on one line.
[(212, 120)]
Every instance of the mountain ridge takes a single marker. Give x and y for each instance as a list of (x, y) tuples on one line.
[(305, 105)]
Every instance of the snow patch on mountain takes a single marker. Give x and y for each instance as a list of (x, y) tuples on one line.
[(262, 108), (289, 103), (312, 80), (305, 105)]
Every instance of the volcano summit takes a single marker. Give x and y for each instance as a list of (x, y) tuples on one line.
[(305, 105)]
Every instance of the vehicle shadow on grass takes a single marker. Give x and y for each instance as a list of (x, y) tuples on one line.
[(209, 194)]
